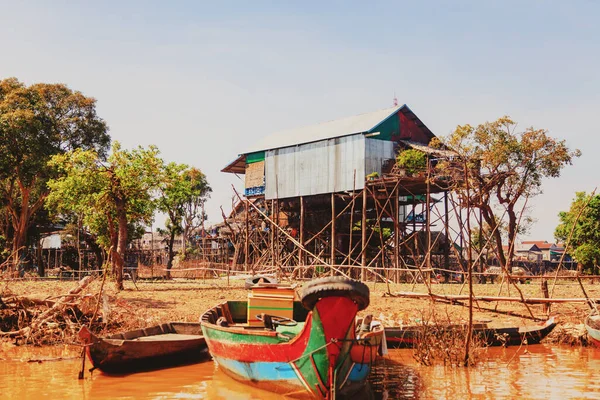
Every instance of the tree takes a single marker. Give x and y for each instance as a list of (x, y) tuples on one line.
[(412, 160), (499, 168), (183, 192), (36, 123), (111, 195), (583, 219), (194, 214)]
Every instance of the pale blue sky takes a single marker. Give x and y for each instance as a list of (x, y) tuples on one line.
[(205, 80)]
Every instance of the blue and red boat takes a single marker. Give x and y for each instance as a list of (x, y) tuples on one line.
[(313, 347)]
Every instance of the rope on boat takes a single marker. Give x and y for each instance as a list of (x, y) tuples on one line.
[(364, 342), (333, 340)]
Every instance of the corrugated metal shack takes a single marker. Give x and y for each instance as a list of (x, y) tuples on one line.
[(329, 197)]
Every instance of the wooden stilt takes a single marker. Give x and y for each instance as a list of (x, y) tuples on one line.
[(301, 251), (272, 234), (447, 233), (332, 241), (247, 239), (396, 262), (363, 259)]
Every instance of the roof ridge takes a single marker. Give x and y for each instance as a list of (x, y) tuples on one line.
[(345, 126)]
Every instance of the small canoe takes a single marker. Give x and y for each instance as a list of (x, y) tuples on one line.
[(592, 326), (313, 347), (160, 346), (409, 336)]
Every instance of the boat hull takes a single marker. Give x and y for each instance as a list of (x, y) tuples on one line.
[(145, 349), (592, 323), (410, 337), (316, 362)]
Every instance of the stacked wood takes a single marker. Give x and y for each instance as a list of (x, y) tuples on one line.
[(58, 313)]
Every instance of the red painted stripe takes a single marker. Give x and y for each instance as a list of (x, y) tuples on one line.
[(250, 352), (336, 323), (594, 341)]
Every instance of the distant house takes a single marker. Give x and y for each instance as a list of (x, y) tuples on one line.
[(529, 252), (51, 241), (525, 252), (156, 241), (550, 251)]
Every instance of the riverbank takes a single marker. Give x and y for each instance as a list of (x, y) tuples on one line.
[(150, 302)]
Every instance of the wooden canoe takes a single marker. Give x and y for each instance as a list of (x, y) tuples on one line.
[(160, 346), (409, 336), (319, 353), (592, 326)]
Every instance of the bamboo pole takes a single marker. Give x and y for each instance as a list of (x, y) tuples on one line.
[(568, 243), (396, 232), (350, 249), (447, 233), (332, 241), (323, 229), (427, 219), (469, 272), (272, 236), (302, 211), (363, 258), (246, 238), (460, 297), (290, 237)]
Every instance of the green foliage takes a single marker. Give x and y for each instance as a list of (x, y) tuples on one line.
[(512, 163), (183, 191), (386, 233), (412, 160), (373, 175), (113, 197), (586, 230), (97, 190), (497, 167), (36, 123)]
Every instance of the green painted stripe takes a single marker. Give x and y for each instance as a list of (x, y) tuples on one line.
[(238, 337), (271, 308), (255, 157)]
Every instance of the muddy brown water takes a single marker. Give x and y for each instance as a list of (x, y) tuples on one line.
[(535, 372)]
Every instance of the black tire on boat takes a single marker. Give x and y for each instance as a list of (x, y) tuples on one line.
[(253, 280), (335, 286)]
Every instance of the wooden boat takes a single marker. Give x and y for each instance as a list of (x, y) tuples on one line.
[(592, 326), (296, 348), (410, 336), (168, 344)]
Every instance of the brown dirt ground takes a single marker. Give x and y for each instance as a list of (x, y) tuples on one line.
[(151, 302)]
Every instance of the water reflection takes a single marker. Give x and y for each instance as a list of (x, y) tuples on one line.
[(51, 379), (391, 379), (536, 372)]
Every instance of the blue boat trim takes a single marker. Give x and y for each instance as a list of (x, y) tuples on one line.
[(272, 371)]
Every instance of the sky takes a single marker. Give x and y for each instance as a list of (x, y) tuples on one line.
[(204, 81)]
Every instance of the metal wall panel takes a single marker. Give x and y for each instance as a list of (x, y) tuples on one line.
[(315, 168), (377, 151)]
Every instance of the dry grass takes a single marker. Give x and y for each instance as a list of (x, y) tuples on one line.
[(151, 302)]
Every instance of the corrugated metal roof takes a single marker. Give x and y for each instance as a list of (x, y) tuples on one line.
[(326, 130)]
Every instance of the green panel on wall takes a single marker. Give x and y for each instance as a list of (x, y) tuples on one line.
[(255, 157), (389, 127)]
